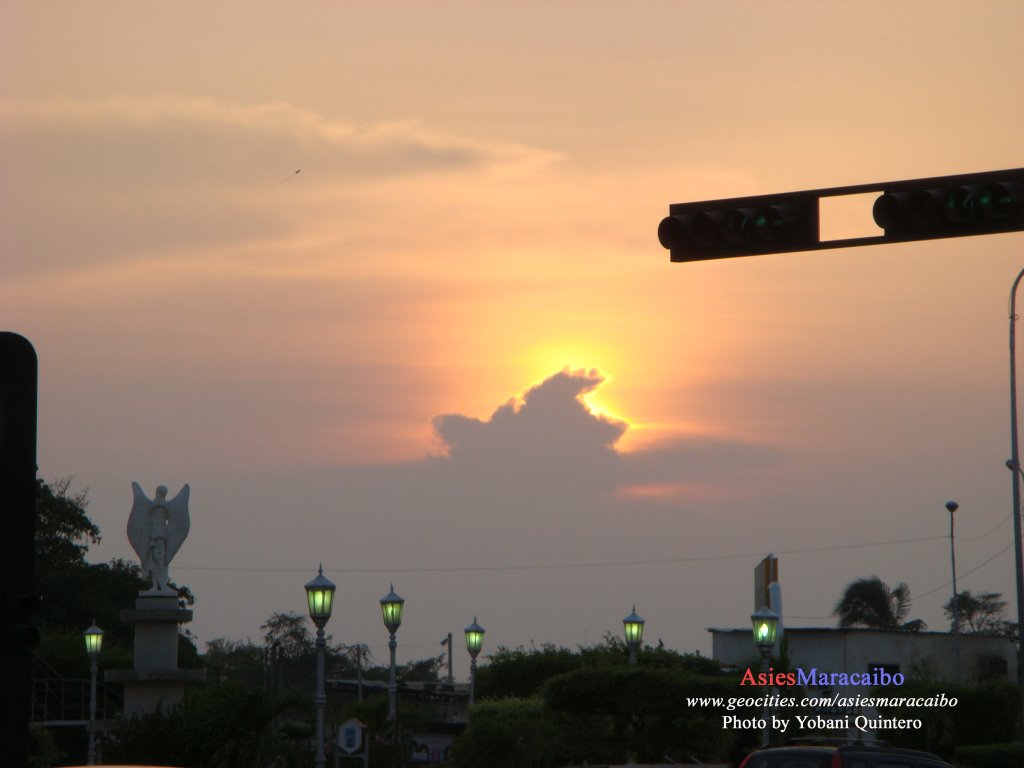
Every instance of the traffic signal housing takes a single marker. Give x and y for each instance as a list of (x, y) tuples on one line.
[(740, 227), (914, 209), (952, 209)]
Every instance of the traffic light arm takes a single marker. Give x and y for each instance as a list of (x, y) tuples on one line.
[(912, 209)]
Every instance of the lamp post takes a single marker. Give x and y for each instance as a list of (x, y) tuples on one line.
[(391, 606), (320, 596), (952, 506), (633, 626), (1014, 464), (474, 642), (93, 645), (766, 628)]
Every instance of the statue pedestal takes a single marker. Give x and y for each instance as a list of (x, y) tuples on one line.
[(155, 682)]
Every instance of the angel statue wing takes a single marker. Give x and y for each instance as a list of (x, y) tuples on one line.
[(138, 522), (177, 522)]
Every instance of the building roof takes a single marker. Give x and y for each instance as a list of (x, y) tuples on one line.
[(860, 630)]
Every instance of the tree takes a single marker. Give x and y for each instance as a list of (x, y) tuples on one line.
[(290, 631), (984, 614), (63, 531), (872, 604), (520, 672)]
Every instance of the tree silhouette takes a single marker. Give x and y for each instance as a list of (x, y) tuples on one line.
[(983, 614), (872, 604)]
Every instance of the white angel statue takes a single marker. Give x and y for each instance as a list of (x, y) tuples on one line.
[(156, 529)]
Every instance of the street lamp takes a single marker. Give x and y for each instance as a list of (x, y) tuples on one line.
[(952, 506), (391, 606), (93, 645), (474, 642), (633, 626), (1014, 465), (320, 597), (766, 628)]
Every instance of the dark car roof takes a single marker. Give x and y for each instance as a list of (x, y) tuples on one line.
[(820, 756)]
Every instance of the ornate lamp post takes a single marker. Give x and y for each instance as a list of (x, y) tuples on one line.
[(320, 596), (391, 606), (93, 645), (766, 628), (474, 642), (633, 626)]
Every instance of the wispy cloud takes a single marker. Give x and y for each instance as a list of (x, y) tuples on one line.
[(379, 147), (133, 178)]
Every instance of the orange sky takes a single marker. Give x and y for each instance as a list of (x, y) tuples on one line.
[(477, 208)]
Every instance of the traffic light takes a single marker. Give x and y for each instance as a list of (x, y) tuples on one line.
[(740, 227), (952, 209), (915, 209)]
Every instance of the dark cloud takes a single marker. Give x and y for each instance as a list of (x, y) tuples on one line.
[(551, 446), (551, 432), (693, 458)]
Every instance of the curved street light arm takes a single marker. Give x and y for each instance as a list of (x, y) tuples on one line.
[(1016, 474)]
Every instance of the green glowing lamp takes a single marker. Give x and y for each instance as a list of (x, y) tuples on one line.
[(633, 626), (391, 609), (320, 596), (474, 638), (93, 640), (766, 627)]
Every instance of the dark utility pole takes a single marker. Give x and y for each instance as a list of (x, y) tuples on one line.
[(18, 388)]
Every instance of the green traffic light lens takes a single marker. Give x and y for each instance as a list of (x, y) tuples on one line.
[(998, 201), (736, 227), (770, 224), (959, 205)]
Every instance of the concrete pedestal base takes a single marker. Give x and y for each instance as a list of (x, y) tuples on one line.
[(155, 683)]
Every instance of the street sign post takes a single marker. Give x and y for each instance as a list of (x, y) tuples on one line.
[(352, 739), (350, 736)]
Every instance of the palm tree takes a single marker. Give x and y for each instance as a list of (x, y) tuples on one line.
[(872, 604)]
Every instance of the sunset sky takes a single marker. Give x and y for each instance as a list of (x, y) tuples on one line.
[(382, 283)]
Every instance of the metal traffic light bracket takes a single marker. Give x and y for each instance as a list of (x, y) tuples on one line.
[(911, 209)]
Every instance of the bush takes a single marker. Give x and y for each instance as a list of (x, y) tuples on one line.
[(217, 727), (991, 756), (985, 714), (510, 733)]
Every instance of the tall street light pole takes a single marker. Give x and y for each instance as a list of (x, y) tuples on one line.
[(93, 645), (1015, 467), (952, 506), (391, 606), (320, 596)]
